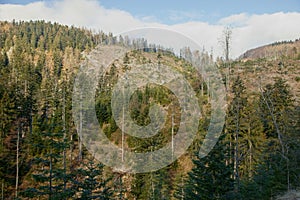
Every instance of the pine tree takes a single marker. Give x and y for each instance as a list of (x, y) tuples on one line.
[(234, 127), (152, 185), (252, 140), (90, 182), (210, 177), (277, 112), (49, 174)]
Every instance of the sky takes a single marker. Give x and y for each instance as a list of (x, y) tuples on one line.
[(253, 22)]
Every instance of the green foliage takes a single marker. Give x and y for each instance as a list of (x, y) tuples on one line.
[(49, 174), (153, 185), (257, 156), (281, 123), (211, 176), (90, 182)]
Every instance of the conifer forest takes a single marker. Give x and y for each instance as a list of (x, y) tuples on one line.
[(42, 155)]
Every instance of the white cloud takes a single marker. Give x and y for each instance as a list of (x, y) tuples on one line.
[(72, 12), (264, 29), (248, 30), (235, 20), (206, 35)]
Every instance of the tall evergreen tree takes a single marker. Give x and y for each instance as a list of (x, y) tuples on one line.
[(234, 127), (91, 183), (210, 177), (280, 124)]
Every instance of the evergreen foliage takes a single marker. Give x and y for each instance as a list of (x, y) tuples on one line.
[(41, 156)]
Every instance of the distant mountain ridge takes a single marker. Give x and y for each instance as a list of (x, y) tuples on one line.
[(274, 51)]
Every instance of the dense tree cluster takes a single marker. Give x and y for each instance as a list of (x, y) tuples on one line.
[(42, 157)]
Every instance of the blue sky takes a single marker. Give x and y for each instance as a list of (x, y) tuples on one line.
[(204, 10), (172, 12)]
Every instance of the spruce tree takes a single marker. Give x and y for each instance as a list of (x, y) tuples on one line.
[(279, 118), (90, 182), (210, 177)]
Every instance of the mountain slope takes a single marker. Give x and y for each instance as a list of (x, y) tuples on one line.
[(42, 155), (277, 50)]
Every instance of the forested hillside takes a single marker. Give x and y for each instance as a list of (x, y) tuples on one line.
[(42, 157), (276, 50)]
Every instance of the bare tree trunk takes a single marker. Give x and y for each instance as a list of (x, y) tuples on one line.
[(64, 138), (235, 163), (208, 89), (123, 126), (202, 87), (227, 34), (25, 88), (17, 160), (30, 121), (250, 160), (80, 131), (236, 149), (279, 134), (172, 133), (228, 76), (71, 147), (152, 185)]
